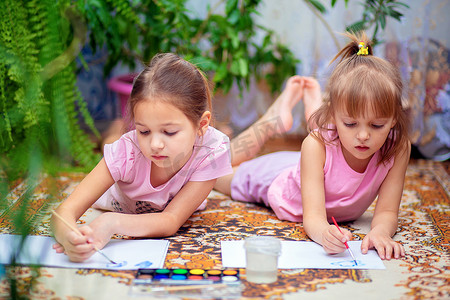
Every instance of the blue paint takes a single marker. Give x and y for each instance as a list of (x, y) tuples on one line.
[(117, 265), (144, 264), (348, 263)]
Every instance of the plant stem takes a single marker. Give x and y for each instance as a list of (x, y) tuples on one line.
[(325, 23), (205, 21), (65, 58)]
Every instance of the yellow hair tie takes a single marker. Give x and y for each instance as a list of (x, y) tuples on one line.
[(363, 50)]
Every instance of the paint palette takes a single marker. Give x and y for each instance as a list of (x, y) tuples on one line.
[(187, 276), (187, 283)]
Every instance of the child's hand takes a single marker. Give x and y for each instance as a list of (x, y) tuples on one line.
[(58, 248), (103, 229), (386, 247), (333, 241), (78, 248)]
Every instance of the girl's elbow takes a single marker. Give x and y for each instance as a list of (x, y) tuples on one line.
[(170, 226), (170, 231)]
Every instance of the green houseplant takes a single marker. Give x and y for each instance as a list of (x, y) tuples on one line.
[(40, 107), (223, 43)]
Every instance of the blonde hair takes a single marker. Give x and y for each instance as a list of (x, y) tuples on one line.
[(171, 79), (359, 83)]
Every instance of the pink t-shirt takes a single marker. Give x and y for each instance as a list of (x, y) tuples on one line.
[(348, 193), (132, 191)]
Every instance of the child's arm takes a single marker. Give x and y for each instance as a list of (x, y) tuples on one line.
[(313, 199), (165, 223), (385, 218), (86, 193)]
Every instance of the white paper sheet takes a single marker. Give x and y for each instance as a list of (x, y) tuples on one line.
[(128, 254), (305, 255)]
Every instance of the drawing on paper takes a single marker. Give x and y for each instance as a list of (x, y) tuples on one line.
[(117, 264), (144, 264), (300, 254), (129, 254), (348, 263)]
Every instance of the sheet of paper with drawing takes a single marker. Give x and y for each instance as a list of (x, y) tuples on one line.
[(307, 255), (128, 254)]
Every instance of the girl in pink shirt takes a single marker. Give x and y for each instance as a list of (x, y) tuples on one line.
[(358, 150), (154, 177)]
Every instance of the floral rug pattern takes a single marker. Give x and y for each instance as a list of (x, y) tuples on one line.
[(423, 230)]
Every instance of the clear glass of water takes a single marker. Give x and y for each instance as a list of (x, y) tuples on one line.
[(261, 253)]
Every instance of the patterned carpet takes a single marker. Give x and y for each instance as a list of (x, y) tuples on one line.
[(423, 229)]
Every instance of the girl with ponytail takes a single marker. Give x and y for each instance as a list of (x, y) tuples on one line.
[(357, 151)]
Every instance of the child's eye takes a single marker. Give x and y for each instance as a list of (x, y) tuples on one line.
[(377, 126), (170, 133), (349, 124), (146, 132)]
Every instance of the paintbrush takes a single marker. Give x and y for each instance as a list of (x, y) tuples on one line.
[(346, 245), (77, 231)]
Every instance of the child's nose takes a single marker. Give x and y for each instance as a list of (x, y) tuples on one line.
[(156, 143), (363, 135)]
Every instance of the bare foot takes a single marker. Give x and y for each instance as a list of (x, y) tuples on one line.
[(279, 114), (276, 121), (312, 97)]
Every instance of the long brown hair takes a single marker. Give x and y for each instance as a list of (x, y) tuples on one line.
[(173, 80), (359, 83)]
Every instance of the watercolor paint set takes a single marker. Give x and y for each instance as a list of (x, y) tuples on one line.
[(187, 276), (193, 283)]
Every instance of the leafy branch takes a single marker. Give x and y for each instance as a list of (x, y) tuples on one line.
[(223, 44), (375, 14)]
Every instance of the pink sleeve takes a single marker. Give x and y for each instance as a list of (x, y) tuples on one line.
[(216, 164), (120, 157)]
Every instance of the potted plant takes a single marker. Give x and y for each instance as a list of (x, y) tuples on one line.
[(223, 44)]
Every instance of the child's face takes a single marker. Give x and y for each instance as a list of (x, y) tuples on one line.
[(361, 137), (165, 135)]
